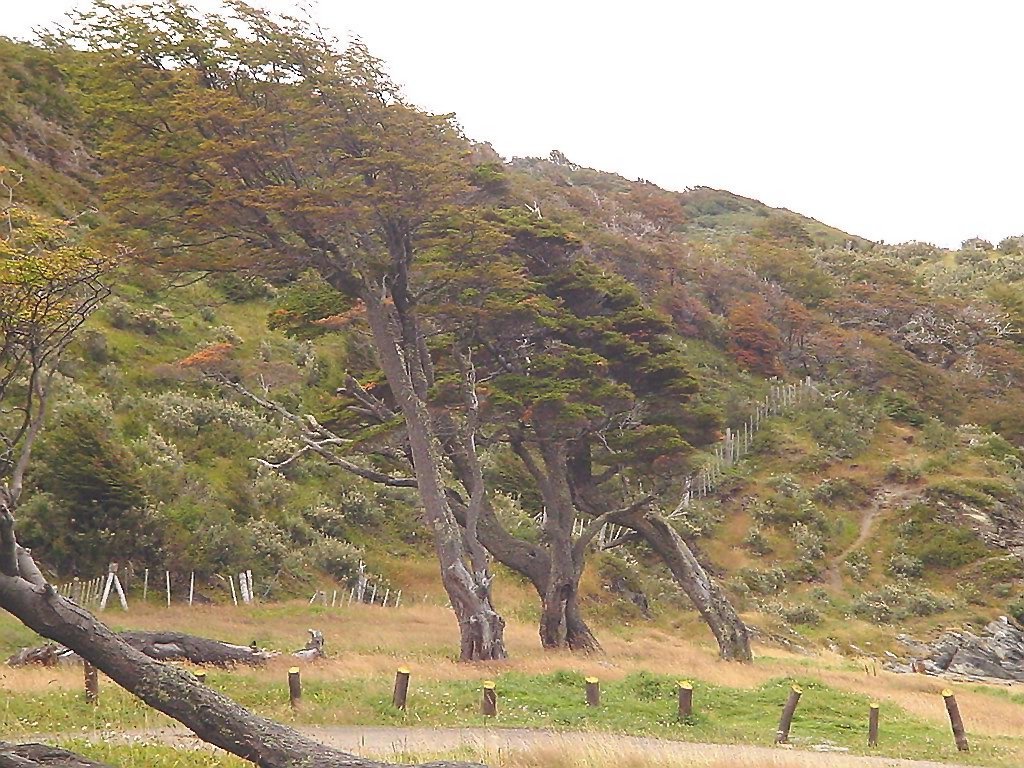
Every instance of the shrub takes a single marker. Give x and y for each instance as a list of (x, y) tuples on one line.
[(901, 564), (768, 582), (1016, 610), (1002, 570), (756, 542), (902, 473), (858, 564), (897, 601), (810, 545), (339, 559), (898, 407), (238, 288), (800, 614), (838, 489), (159, 319)]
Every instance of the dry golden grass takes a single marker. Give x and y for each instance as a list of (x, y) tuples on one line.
[(366, 642)]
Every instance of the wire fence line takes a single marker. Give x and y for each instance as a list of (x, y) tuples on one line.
[(733, 447)]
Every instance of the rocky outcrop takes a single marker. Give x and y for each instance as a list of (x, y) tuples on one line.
[(998, 654)]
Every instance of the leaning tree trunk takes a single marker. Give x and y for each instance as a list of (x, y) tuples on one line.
[(213, 717), (481, 628), (704, 592), (42, 756)]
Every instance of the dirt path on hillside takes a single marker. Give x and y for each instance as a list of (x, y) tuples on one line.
[(398, 744), (883, 501)]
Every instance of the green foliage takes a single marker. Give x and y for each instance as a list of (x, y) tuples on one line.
[(937, 544), (898, 601), (899, 407), (857, 564), (94, 508)]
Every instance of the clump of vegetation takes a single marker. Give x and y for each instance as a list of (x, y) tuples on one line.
[(756, 542), (937, 544), (858, 565), (897, 601), (151, 322), (905, 566)]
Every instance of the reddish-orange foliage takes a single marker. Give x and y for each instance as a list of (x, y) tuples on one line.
[(753, 341), (344, 319), (209, 358)]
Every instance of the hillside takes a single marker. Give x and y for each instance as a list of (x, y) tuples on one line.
[(893, 502)]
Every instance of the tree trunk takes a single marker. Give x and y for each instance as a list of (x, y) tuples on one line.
[(163, 646), (561, 623), (577, 634), (42, 756), (705, 594), (213, 717), (481, 628)]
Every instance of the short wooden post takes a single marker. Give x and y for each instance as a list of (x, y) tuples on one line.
[(191, 587), (782, 735), (685, 699), (294, 687), (489, 703), (959, 735), (401, 688), (231, 583), (145, 585), (873, 725), (201, 676), (167, 576), (593, 692), (92, 684)]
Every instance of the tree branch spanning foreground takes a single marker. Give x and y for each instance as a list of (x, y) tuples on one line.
[(177, 693), (43, 756)]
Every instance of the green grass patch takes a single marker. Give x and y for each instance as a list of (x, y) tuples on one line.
[(640, 704)]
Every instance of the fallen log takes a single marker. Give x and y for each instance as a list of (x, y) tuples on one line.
[(43, 756), (162, 646)]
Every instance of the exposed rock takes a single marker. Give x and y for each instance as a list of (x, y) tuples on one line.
[(996, 655)]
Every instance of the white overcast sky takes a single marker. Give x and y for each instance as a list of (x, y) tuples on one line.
[(897, 120)]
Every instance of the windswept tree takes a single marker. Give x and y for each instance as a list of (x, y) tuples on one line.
[(250, 141), (49, 285)]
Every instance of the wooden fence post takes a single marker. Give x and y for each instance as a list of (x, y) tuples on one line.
[(191, 587), (489, 703), (873, 725), (685, 699), (398, 698), (294, 687), (92, 684), (167, 577), (145, 585), (959, 735), (593, 692), (782, 735)]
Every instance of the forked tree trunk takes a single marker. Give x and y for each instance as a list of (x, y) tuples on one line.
[(482, 630), (704, 592), (213, 717), (561, 623)]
